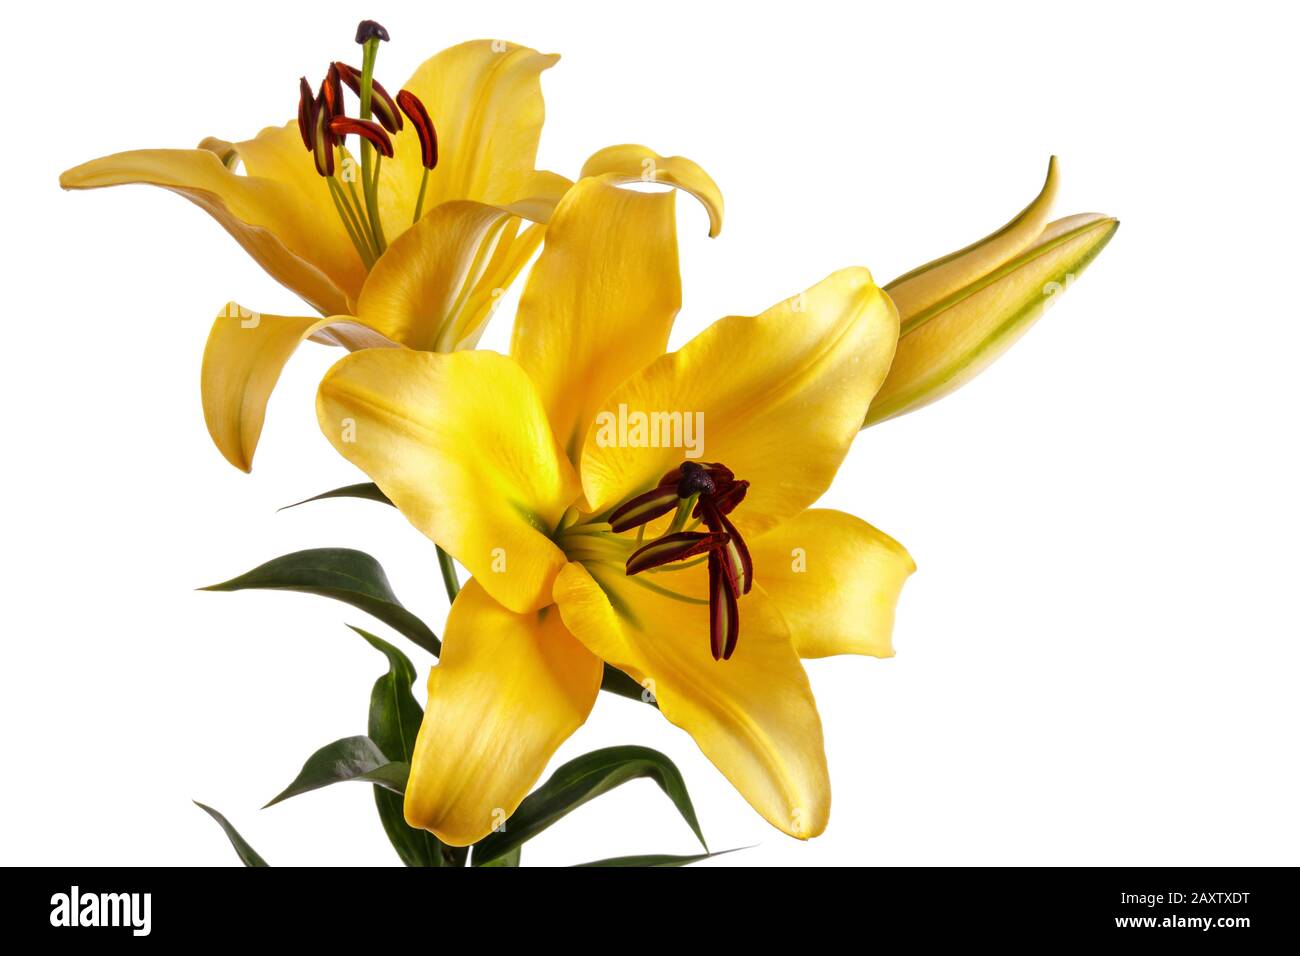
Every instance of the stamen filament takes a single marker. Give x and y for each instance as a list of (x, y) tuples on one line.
[(350, 225), (419, 200), (667, 592)]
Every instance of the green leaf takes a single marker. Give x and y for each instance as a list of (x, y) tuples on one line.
[(367, 490), (352, 758), (616, 682), (246, 852), (395, 717), (509, 859), (580, 780), (352, 577), (654, 860)]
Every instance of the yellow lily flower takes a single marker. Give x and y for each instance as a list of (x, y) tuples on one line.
[(410, 251), (588, 544), (961, 312)]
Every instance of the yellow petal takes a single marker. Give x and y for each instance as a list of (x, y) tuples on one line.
[(245, 354), (946, 346), (779, 397), (485, 100), (753, 716), (280, 212), (600, 301), (836, 580), (631, 163), (926, 285), (459, 443), (508, 690), (427, 290)]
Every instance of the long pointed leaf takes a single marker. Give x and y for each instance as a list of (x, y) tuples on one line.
[(343, 574), (247, 854), (583, 779), (367, 490), (657, 859), (395, 717), (352, 758)]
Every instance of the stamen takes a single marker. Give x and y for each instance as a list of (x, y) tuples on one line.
[(306, 113), (724, 615), (736, 561), (419, 116), (342, 126), (673, 547), (385, 109), (643, 508), (322, 140)]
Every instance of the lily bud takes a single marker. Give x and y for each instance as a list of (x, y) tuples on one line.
[(959, 313)]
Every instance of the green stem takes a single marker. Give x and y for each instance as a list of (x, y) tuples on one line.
[(449, 578)]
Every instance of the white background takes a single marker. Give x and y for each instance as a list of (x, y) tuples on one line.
[(1097, 658)]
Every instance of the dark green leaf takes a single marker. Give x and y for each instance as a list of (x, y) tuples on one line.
[(654, 860), (352, 577), (509, 859), (352, 758), (246, 853), (367, 490), (581, 780), (616, 682), (395, 717)]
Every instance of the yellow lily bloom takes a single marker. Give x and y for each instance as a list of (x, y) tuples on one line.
[(456, 215), (961, 312), (588, 544)]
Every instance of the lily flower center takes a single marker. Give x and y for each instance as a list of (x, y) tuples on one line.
[(325, 125), (704, 492)]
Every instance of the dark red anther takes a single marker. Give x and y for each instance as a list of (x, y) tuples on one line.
[(643, 509), (306, 113), (370, 30), (419, 117), (322, 139), (736, 561), (726, 501), (332, 91), (342, 126), (674, 547), (385, 109), (724, 614)]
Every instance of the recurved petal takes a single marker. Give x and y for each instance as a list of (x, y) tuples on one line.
[(775, 397), (631, 163), (929, 284), (280, 212), (600, 300), (485, 100), (942, 348), (460, 444), (508, 690), (245, 354), (432, 288), (836, 580), (753, 715)]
